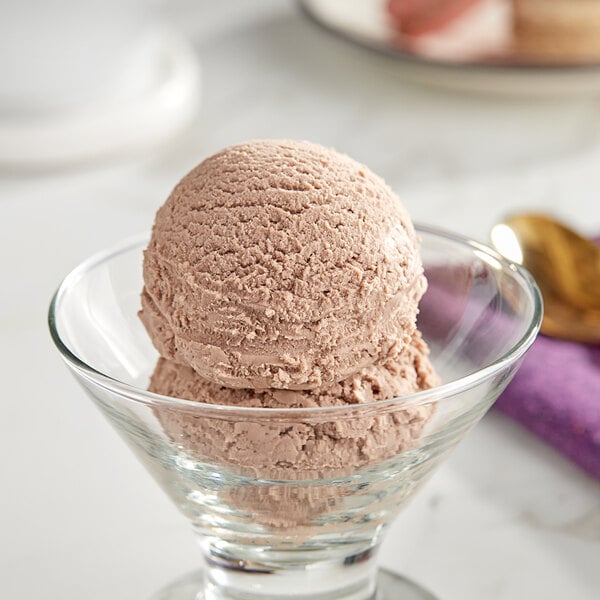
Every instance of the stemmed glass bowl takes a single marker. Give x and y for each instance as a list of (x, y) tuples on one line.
[(268, 530)]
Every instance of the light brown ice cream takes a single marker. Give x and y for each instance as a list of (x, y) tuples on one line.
[(282, 264), (294, 447)]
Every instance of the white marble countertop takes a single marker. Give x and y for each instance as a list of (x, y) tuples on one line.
[(506, 518)]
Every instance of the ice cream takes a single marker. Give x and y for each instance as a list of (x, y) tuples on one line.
[(301, 448), (283, 275), (306, 453), (281, 264)]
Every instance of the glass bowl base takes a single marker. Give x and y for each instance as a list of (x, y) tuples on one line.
[(390, 586)]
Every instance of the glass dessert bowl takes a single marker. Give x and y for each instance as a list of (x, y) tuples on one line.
[(294, 502)]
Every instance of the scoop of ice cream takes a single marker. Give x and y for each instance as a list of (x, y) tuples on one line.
[(294, 447), (281, 264)]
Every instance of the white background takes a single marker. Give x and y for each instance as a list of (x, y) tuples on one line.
[(506, 518)]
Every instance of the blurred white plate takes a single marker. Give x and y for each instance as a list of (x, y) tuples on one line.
[(472, 54), (156, 96)]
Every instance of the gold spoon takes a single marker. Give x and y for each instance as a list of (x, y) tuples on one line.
[(566, 267)]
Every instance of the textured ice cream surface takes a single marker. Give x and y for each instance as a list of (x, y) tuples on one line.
[(281, 264), (301, 447)]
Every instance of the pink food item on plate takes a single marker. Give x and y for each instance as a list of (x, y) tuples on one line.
[(419, 17)]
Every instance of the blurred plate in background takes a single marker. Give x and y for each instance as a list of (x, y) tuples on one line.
[(154, 97), (474, 52)]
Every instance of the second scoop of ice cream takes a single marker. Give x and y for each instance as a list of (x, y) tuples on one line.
[(300, 446), (278, 264)]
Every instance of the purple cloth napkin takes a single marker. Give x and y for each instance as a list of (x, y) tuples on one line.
[(556, 395), (556, 392)]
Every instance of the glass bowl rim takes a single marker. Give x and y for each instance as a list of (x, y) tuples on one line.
[(436, 393)]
